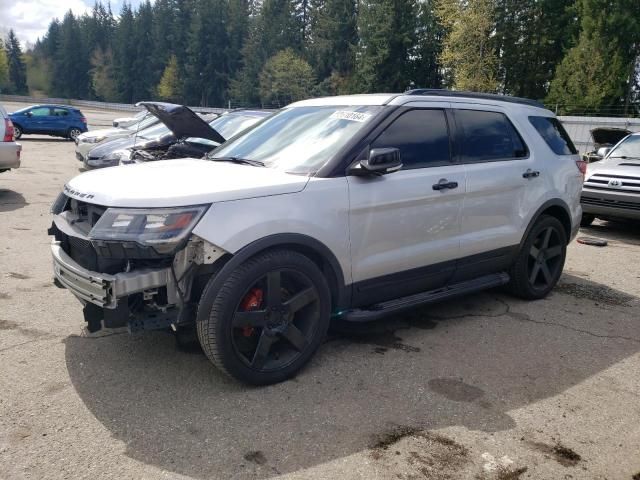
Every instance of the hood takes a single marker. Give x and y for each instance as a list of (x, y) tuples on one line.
[(174, 183), (615, 166), (106, 132), (608, 136), (182, 121), (105, 150)]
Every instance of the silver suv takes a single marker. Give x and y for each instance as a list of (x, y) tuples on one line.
[(353, 207), (9, 149), (612, 186)]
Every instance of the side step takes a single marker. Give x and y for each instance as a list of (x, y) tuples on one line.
[(390, 307)]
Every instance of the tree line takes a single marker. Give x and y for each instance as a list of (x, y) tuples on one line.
[(582, 55)]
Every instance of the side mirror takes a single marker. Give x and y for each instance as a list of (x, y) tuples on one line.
[(29, 114), (380, 161), (603, 151)]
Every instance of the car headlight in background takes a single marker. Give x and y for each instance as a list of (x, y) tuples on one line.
[(164, 229), (82, 139)]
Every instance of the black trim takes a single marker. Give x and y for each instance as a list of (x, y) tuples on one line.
[(343, 292), (485, 263), (437, 92), (555, 202), (400, 284), (384, 309)]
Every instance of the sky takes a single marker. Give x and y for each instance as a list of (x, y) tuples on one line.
[(30, 18)]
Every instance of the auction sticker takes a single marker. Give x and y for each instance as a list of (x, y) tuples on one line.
[(353, 116)]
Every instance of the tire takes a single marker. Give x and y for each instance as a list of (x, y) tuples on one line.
[(73, 133), (587, 219), (17, 132), (539, 264), (268, 318)]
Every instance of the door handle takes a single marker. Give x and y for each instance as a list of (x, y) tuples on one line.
[(444, 184), (531, 174)]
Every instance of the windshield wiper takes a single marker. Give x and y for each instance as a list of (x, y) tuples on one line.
[(243, 161), (626, 157)]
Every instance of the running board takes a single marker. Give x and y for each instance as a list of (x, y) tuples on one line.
[(390, 307)]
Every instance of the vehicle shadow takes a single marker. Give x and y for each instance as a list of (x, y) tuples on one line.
[(466, 362), (10, 200), (42, 139)]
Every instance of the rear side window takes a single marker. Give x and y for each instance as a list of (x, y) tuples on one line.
[(422, 137), (552, 131), (488, 136), (60, 112)]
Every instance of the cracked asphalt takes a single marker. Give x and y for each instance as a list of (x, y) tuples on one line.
[(484, 387)]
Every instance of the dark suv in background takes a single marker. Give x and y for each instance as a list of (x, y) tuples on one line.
[(54, 120)]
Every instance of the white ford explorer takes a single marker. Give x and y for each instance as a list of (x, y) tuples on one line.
[(355, 207)]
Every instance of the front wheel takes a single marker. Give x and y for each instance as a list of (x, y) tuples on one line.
[(17, 132), (268, 318), (539, 264)]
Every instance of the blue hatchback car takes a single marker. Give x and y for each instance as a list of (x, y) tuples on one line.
[(54, 120)]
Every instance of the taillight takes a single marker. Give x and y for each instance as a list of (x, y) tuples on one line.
[(83, 119), (8, 131), (582, 166)]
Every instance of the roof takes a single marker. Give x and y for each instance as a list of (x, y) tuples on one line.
[(400, 98)]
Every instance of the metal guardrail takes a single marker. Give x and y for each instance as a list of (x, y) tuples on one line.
[(125, 107), (579, 128)]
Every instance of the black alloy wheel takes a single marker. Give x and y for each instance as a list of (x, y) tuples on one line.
[(539, 264), (267, 319)]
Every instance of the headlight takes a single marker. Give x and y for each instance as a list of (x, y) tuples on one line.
[(164, 229), (82, 139)]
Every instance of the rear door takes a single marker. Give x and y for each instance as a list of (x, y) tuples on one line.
[(503, 180), (60, 121), (405, 226)]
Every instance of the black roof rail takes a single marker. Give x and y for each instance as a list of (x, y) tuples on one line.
[(439, 92)]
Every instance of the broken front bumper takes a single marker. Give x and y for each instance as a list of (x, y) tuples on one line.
[(102, 289)]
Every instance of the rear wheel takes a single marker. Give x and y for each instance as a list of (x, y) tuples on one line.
[(541, 260), (17, 132), (268, 318), (587, 219), (74, 133)]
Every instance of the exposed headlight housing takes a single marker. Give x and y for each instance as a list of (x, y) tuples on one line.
[(163, 229), (82, 139)]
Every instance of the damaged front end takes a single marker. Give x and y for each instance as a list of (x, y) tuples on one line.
[(139, 268)]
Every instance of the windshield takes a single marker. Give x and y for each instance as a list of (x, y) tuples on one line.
[(299, 139), (628, 148), (156, 131), (231, 124)]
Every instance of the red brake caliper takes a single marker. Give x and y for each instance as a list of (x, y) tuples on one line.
[(251, 301)]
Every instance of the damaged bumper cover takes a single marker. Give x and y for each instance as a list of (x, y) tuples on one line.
[(102, 289)]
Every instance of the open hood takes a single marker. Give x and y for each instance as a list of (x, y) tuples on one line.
[(608, 136), (182, 121)]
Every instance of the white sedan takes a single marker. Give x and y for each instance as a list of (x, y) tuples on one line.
[(88, 140)]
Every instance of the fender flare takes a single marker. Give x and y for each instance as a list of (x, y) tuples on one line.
[(554, 202), (342, 293)]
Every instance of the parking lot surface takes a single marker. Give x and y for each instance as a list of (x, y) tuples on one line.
[(484, 387)]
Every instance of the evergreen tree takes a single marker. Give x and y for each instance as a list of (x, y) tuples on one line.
[(71, 65), (388, 33), (425, 57), (144, 78), (124, 54), (467, 57), (103, 75), (17, 67), (601, 69), (169, 87), (4, 69)]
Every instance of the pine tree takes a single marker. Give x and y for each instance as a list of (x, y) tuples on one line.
[(17, 67), (169, 87), (71, 65), (4, 68), (144, 78), (103, 76), (600, 71), (467, 57), (124, 54)]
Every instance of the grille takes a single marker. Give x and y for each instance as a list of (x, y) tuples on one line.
[(87, 212), (610, 203), (625, 183)]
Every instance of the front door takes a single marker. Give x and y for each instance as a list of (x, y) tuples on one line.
[(405, 226), (38, 119)]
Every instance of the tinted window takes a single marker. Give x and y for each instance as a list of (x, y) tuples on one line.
[(422, 137), (40, 111), (488, 136), (554, 134)]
